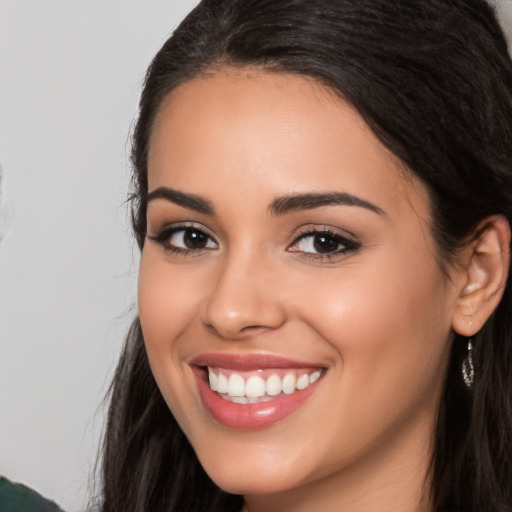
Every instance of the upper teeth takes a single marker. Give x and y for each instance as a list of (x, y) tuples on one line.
[(254, 386)]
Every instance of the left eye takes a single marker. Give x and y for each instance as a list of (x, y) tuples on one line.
[(321, 243)]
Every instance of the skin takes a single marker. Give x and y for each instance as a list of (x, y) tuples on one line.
[(378, 318)]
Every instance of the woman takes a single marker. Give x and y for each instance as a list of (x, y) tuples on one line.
[(323, 198)]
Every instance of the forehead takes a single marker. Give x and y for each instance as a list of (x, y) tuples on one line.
[(288, 132)]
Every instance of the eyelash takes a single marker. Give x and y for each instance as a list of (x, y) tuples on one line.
[(349, 246), (163, 236)]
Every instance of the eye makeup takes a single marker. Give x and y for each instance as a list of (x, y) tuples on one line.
[(184, 239), (322, 243), (312, 242)]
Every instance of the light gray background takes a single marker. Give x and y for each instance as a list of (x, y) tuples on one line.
[(69, 84)]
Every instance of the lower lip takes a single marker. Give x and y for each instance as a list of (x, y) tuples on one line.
[(250, 416)]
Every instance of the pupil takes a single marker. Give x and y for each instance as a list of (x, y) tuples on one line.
[(194, 239), (324, 244)]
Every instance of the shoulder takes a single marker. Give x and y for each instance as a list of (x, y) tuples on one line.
[(19, 498)]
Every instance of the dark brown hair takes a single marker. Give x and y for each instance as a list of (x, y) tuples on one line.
[(433, 79)]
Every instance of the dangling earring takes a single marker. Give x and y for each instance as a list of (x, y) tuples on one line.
[(468, 370)]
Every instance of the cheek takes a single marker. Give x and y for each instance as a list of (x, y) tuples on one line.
[(389, 336), (167, 299), (167, 305), (388, 323)]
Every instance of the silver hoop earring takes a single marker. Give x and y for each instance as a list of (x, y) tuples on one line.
[(468, 369)]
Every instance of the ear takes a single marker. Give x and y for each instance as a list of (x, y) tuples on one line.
[(485, 265)]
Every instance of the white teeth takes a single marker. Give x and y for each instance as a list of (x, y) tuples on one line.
[(315, 376), (213, 379), (222, 383), (273, 385), (289, 382), (236, 385), (303, 381), (254, 387), (239, 399)]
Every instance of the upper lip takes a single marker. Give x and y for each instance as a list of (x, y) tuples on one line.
[(249, 362)]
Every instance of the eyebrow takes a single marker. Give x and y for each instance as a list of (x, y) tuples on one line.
[(280, 206), (190, 201), (296, 202)]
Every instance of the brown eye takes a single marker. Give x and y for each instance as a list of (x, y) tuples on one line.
[(184, 239), (325, 243), (191, 239), (194, 239), (319, 243)]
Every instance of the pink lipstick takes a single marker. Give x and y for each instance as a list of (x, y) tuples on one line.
[(253, 391)]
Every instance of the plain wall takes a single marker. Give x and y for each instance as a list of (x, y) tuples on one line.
[(69, 84)]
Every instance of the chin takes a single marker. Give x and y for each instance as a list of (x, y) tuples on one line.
[(250, 477), (250, 484)]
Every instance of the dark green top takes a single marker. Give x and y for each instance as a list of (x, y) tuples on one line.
[(19, 498)]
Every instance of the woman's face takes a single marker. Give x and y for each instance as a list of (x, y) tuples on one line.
[(289, 255)]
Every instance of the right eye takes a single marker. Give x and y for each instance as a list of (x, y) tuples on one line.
[(191, 238), (184, 239)]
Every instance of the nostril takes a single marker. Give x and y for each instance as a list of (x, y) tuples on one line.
[(254, 328), (237, 307)]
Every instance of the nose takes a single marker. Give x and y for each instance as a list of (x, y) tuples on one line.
[(244, 299)]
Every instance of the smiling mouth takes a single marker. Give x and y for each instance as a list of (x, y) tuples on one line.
[(254, 391), (252, 387)]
